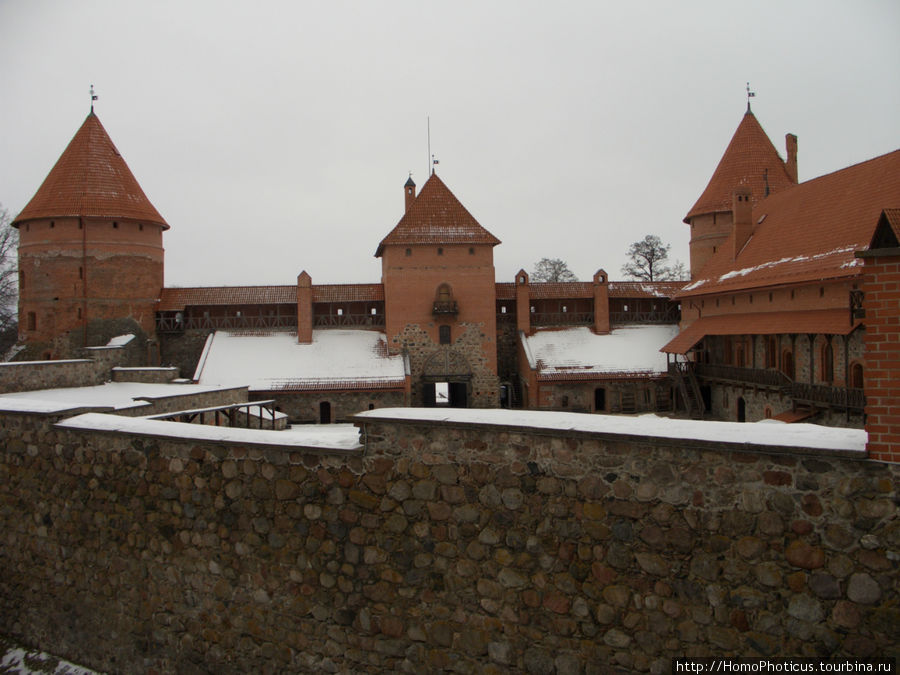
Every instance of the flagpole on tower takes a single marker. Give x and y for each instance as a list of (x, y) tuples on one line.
[(94, 97), (750, 94), (428, 170)]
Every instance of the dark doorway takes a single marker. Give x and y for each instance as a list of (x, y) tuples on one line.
[(445, 394), (741, 410), (599, 399), (706, 395), (325, 412)]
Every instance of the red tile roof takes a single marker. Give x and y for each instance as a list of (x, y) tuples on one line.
[(644, 289), (175, 299), (91, 179), (584, 289), (348, 292), (824, 321), (750, 159), (808, 232), (437, 217)]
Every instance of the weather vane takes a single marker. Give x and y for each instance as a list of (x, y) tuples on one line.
[(94, 97), (750, 94)]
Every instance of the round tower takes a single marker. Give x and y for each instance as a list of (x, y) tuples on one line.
[(90, 251)]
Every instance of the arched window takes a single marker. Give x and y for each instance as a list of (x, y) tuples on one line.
[(856, 376), (787, 363), (771, 351), (827, 362)]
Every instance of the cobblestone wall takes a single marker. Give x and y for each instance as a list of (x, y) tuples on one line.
[(471, 549)]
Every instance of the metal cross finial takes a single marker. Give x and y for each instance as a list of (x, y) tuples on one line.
[(750, 94), (94, 97)]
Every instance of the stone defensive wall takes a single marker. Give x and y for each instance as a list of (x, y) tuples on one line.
[(462, 544)]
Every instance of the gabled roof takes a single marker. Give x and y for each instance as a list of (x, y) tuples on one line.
[(436, 217), (750, 159), (887, 232), (91, 179), (807, 233)]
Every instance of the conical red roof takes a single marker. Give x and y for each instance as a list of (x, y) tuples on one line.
[(750, 156), (437, 217), (91, 179)]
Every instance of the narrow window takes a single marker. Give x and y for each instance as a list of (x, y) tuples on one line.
[(115, 226), (444, 335), (79, 312), (31, 321), (408, 252), (21, 280), (856, 376), (440, 251), (751, 298), (821, 291), (471, 250), (81, 273), (141, 227), (565, 401), (52, 224), (792, 294)]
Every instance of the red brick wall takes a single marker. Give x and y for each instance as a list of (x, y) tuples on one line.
[(881, 286), (74, 272)]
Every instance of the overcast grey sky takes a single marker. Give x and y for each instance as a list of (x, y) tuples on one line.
[(276, 136)]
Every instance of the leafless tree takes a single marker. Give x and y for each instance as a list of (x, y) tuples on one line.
[(552, 269), (9, 279), (648, 261)]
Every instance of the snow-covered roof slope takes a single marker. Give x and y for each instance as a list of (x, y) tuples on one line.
[(578, 351), (769, 433), (275, 361), (112, 396), (339, 438)]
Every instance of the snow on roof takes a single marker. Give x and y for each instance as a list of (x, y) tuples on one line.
[(765, 433), (341, 437), (112, 395), (273, 361), (120, 340), (628, 349)]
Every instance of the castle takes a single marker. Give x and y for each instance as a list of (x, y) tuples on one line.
[(771, 323)]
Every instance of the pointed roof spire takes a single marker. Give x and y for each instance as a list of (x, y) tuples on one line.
[(437, 217), (750, 159), (91, 179)]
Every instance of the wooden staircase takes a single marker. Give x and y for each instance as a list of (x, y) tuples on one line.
[(688, 388)]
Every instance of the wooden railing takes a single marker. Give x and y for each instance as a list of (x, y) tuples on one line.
[(171, 324), (351, 320), (823, 394), (562, 319), (764, 377), (671, 315)]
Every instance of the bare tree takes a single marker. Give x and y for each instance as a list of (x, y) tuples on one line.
[(552, 269), (9, 280), (648, 261)]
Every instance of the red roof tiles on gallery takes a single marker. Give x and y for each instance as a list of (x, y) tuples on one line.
[(176, 299), (91, 179)]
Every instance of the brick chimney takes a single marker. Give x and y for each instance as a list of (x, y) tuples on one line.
[(790, 165), (409, 192), (523, 303), (601, 303), (742, 214), (304, 308)]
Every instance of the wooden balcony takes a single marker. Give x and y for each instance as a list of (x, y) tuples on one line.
[(445, 307)]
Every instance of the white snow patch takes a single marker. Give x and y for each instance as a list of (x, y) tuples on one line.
[(115, 395), (276, 360), (810, 436), (17, 660), (628, 349), (120, 340), (334, 437)]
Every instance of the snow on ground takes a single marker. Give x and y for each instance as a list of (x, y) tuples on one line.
[(761, 433), (334, 437), (15, 659), (578, 350), (275, 360), (115, 395)]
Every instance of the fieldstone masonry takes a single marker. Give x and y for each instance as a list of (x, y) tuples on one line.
[(440, 547)]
